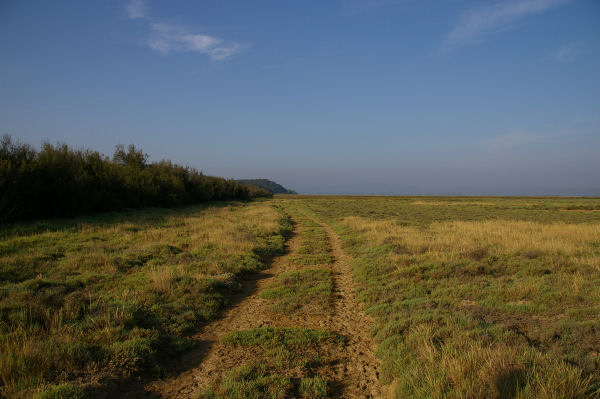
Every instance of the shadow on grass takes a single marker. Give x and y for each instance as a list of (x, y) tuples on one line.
[(510, 382), (142, 217), (172, 366)]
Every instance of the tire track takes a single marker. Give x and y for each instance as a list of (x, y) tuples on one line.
[(359, 370), (355, 374)]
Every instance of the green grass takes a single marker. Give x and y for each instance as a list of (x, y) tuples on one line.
[(300, 289), (314, 246), (273, 337), (114, 294), (285, 363), (477, 297), (313, 388), (420, 211), (62, 391), (304, 289), (472, 297), (250, 381)]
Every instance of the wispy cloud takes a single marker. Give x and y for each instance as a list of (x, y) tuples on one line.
[(478, 24), (567, 52), (167, 38), (136, 9)]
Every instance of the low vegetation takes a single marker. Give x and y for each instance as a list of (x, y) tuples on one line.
[(314, 248), (283, 362), (280, 362), (478, 297), (112, 295), (471, 297), (269, 185), (61, 181), (307, 289)]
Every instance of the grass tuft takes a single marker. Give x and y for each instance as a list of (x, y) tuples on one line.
[(62, 391), (305, 288), (250, 381), (313, 388), (284, 360), (269, 337)]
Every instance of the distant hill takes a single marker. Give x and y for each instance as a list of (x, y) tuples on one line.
[(268, 185)]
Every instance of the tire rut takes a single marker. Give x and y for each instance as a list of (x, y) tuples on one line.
[(359, 370), (355, 374)]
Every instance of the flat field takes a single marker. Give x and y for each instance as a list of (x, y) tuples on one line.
[(86, 299), (477, 297), (307, 296)]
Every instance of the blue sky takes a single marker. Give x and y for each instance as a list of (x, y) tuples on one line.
[(336, 96)]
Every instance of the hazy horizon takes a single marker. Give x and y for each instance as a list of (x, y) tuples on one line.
[(343, 97)]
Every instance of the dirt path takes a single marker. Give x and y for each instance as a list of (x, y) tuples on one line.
[(359, 368), (356, 372)]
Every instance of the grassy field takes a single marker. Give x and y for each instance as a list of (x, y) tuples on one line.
[(282, 362), (477, 297), (471, 297), (112, 295), (309, 287)]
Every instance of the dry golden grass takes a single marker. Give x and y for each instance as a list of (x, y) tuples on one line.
[(468, 369), (450, 203), (477, 298), (109, 295), (161, 278), (457, 239)]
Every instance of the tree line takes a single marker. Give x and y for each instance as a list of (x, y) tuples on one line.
[(62, 181), (268, 185)]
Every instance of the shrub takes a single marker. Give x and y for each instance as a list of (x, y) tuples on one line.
[(132, 355), (61, 181)]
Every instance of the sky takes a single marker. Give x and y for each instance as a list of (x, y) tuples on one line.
[(333, 97)]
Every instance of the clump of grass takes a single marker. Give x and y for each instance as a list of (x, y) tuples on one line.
[(285, 360), (313, 388), (62, 391), (305, 288), (249, 381), (129, 356), (162, 278), (269, 337)]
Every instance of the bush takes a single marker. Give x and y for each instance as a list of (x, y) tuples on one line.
[(61, 181), (132, 355)]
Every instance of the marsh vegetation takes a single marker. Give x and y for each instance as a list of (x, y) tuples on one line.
[(466, 298), (478, 297), (112, 295)]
